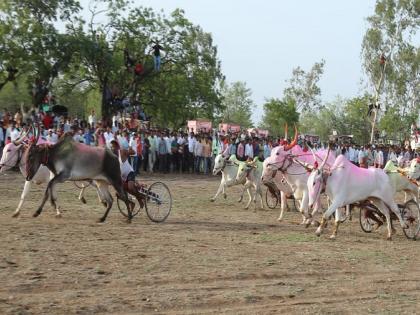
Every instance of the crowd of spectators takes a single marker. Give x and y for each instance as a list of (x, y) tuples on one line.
[(165, 151)]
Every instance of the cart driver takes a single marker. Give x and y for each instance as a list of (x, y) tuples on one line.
[(127, 172)]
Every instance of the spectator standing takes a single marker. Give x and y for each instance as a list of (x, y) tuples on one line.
[(249, 150), (241, 150), (92, 119), (378, 158), (163, 153), (207, 155), (198, 155), (132, 151)]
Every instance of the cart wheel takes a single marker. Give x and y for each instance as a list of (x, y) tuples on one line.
[(123, 209), (82, 184), (271, 199), (366, 223), (158, 202), (411, 216)]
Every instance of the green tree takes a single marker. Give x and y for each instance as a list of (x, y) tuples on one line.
[(30, 44), (391, 60), (277, 113), (237, 104), (355, 119), (187, 86), (323, 122), (304, 89)]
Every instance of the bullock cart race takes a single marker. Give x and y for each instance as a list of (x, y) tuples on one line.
[(138, 177)]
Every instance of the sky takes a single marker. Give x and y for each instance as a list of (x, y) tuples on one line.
[(261, 42)]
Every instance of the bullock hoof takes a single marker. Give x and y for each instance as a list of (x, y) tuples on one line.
[(389, 238), (240, 200), (377, 226), (128, 220), (224, 196), (37, 213), (212, 199), (83, 200), (279, 219), (318, 232), (101, 220), (15, 215), (58, 215), (332, 237)]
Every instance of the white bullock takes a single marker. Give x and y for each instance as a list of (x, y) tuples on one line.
[(346, 184), (414, 169), (251, 172), (290, 161), (229, 169), (400, 182)]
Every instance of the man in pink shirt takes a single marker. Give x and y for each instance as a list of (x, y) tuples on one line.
[(241, 151)]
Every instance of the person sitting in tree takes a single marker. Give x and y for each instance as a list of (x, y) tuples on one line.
[(156, 52)]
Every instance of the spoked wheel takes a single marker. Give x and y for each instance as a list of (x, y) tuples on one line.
[(82, 184), (271, 199), (366, 223), (123, 209), (158, 202), (411, 216)]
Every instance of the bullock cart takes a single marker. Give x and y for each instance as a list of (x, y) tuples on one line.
[(370, 216), (157, 201), (273, 197)]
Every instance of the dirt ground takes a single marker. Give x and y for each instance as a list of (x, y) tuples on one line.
[(207, 258)]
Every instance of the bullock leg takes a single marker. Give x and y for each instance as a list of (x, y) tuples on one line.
[(25, 192), (122, 194), (394, 208), (103, 187), (241, 197), (61, 177), (82, 194), (333, 207), (317, 207), (53, 196), (384, 210), (336, 224), (260, 193), (283, 205), (248, 190), (219, 190)]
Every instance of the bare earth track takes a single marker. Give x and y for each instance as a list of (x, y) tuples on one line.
[(207, 258)]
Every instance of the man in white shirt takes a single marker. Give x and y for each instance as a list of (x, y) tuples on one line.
[(249, 150), (133, 152), (191, 144), (12, 132), (109, 136), (92, 119)]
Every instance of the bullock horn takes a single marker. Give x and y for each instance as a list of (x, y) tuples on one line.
[(294, 142), (326, 158), (313, 153), (307, 166)]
